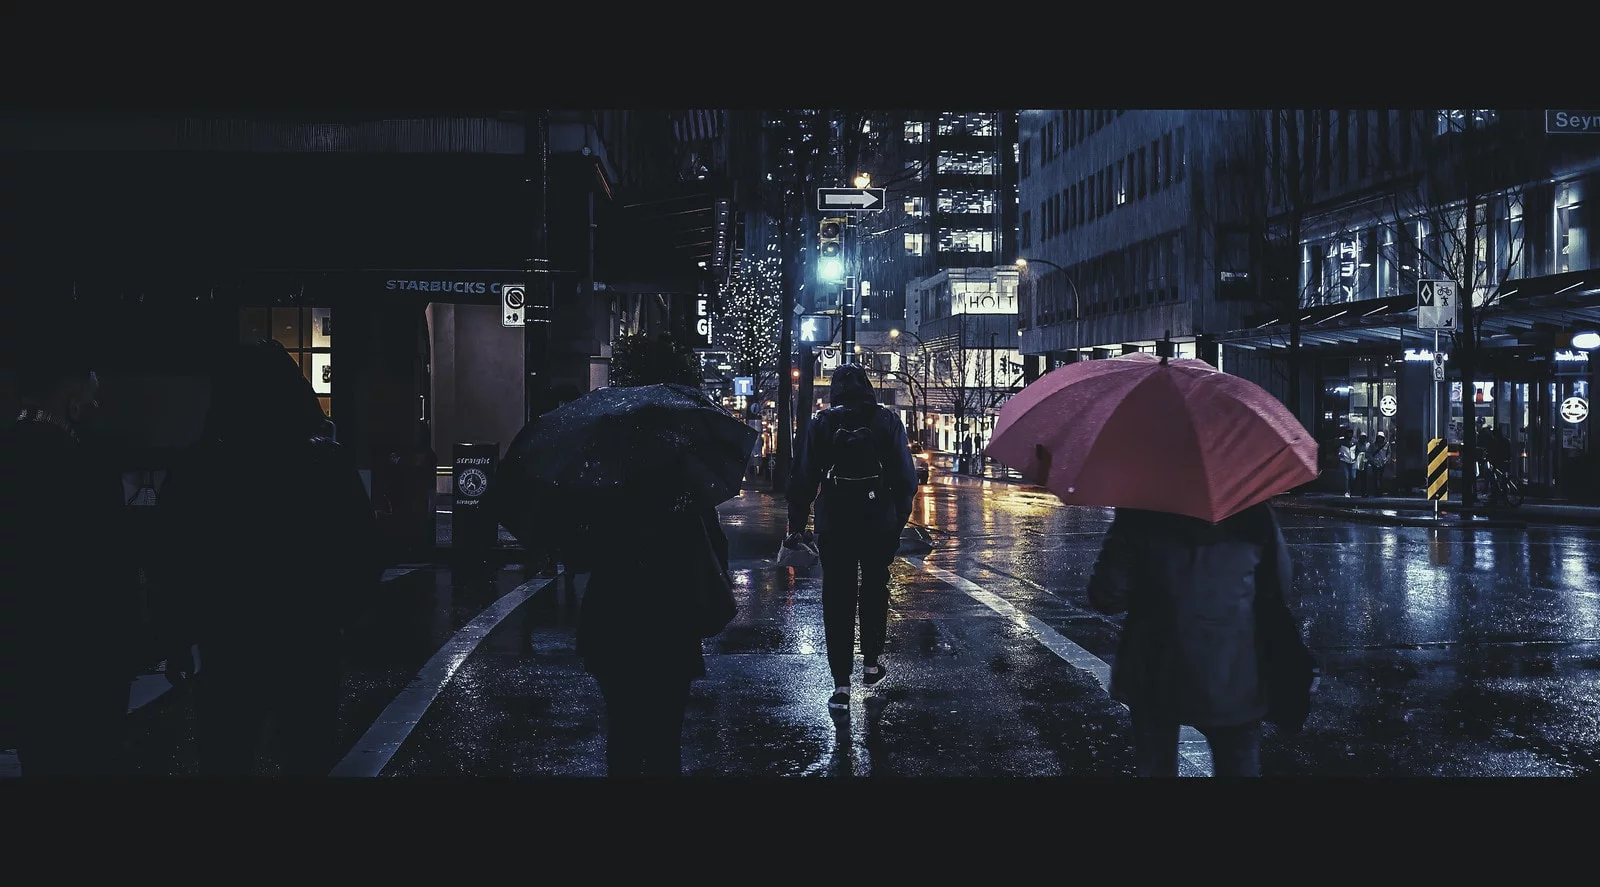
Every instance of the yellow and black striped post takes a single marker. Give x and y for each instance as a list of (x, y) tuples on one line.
[(1438, 471)]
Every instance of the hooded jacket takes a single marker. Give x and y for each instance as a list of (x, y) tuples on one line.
[(267, 502), (851, 393)]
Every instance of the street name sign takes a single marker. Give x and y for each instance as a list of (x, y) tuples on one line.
[(851, 199), (1436, 305), (1563, 121)]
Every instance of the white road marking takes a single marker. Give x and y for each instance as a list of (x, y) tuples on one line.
[(378, 745), (1194, 752)]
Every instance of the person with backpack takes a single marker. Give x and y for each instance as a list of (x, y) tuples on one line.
[(857, 454)]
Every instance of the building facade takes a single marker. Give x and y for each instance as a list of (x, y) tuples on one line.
[(951, 177), (377, 248), (1120, 216), (1386, 209)]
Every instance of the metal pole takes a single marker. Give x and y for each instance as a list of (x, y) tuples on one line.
[(536, 267), (1437, 431)]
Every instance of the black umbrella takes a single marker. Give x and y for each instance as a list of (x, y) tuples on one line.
[(616, 448)]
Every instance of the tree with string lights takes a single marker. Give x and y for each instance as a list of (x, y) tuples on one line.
[(752, 312)]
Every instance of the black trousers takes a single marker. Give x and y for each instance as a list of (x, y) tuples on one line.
[(644, 723), (843, 554), (73, 730), (1235, 749), (238, 689)]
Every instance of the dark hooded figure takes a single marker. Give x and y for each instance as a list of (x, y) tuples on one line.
[(271, 554), (68, 599), (856, 453)]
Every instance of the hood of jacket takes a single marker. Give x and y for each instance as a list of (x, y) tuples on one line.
[(851, 385)]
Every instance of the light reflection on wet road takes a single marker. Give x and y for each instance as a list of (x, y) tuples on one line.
[(1445, 653)]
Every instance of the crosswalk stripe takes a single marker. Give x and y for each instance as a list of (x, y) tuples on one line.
[(1194, 753)]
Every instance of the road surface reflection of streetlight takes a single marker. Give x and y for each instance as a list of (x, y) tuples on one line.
[(1077, 314)]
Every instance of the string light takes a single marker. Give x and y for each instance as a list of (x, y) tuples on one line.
[(753, 313)]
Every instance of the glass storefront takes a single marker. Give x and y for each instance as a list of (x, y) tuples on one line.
[(1360, 394)]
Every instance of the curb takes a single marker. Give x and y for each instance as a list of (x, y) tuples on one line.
[(1399, 520)]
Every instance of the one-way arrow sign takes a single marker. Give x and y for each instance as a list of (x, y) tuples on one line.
[(850, 199)]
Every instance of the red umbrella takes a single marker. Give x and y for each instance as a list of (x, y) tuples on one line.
[(1136, 431)]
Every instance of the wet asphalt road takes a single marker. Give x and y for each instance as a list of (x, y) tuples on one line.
[(1445, 653)]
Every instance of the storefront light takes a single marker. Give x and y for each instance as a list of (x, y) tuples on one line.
[(1588, 340)]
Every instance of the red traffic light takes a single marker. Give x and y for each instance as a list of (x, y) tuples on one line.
[(830, 228)]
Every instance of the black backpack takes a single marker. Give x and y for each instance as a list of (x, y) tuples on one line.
[(854, 485)]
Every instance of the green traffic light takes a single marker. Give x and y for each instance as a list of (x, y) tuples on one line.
[(831, 270)]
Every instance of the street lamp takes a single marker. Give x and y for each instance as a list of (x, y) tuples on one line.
[(862, 180), (1077, 314), (923, 359)]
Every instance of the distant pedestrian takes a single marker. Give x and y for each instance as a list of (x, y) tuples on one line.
[(1378, 458), (69, 602), (271, 556), (857, 454), (1189, 652), (638, 633), (1363, 447), (1347, 463)]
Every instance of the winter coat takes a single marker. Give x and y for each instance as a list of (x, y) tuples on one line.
[(267, 541), (636, 614), (855, 406), (1189, 646), (69, 602)]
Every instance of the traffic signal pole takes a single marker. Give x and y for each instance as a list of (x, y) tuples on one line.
[(536, 267), (848, 304)]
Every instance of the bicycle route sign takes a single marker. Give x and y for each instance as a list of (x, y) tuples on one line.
[(1436, 305)]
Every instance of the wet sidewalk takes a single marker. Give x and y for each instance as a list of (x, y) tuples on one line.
[(1418, 511)]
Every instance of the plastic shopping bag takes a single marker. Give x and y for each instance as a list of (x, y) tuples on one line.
[(797, 552)]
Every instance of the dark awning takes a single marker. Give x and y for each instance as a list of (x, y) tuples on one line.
[(1533, 309)]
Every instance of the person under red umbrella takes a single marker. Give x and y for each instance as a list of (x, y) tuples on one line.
[(1189, 457)]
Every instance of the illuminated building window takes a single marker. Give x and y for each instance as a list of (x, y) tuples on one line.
[(966, 240), (961, 200), (306, 333), (966, 163), (913, 244)]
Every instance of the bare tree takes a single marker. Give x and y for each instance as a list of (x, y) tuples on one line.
[(1255, 217), (1461, 221), (967, 379)]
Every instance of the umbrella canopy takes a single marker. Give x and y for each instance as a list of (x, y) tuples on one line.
[(616, 447), (1136, 431)]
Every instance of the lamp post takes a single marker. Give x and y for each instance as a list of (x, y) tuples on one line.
[(922, 429), (1077, 313)]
